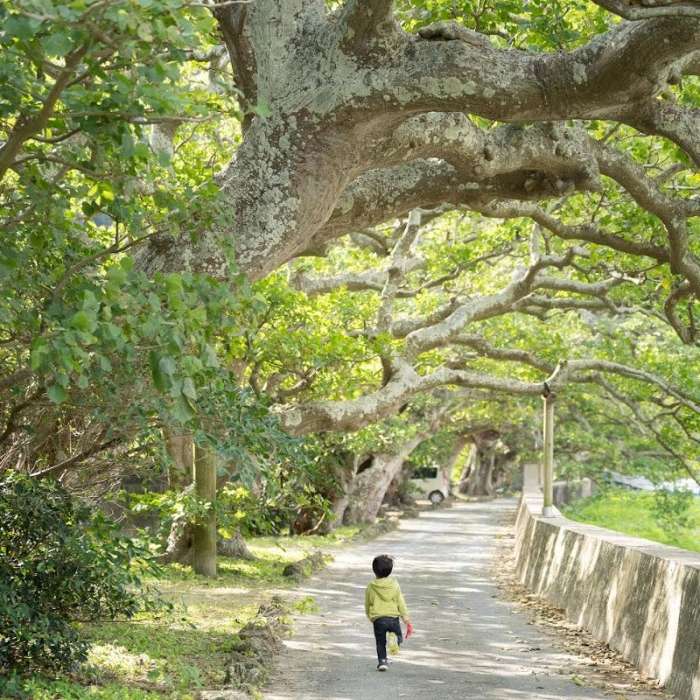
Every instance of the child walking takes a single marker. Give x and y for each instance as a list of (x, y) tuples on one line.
[(384, 604)]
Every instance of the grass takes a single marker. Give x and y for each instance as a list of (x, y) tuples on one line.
[(174, 654), (632, 512)]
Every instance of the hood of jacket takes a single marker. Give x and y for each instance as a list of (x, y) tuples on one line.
[(384, 588)]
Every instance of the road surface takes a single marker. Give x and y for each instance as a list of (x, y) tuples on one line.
[(468, 642)]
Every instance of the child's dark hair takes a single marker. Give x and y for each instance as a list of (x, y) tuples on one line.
[(382, 565)]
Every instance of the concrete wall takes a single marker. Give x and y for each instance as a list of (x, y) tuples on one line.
[(565, 492), (640, 597)]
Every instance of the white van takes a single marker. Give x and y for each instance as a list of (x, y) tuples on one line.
[(431, 482)]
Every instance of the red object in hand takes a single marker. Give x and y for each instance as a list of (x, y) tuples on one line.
[(409, 630)]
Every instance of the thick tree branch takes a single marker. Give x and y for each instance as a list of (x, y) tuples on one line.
[(687, 333), (363, 21), (29, 125), (673, 213), (516, 86), (644, 10), (323, 107), (353, 414), (552, 151), (396, 270), (487, 306), (582, 232), (664, 118), (486, 349)]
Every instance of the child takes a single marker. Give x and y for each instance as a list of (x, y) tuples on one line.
[(384, 604)]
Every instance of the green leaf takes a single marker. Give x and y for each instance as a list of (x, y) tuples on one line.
[(40, 352), (167, 365), (210, 357), (56, 393), (188, 389), (57, 44), (182, 410), (83, 321), (21, 27), (144, 32), (159, 379)]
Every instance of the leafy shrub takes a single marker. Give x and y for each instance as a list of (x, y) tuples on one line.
[(59, 563), (672, 509)]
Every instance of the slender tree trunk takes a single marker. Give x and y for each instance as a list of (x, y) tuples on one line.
[(180, 449), (485, 480), (502, 474), (338, 507), (471, 469), (204, 539)]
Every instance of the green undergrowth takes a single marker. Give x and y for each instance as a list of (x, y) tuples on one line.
[(174, 654), (633, 513)]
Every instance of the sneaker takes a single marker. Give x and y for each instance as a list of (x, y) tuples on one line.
[(382, 666)]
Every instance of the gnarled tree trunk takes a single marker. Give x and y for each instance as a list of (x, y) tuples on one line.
[(180, 550), (477, 476), (234, 547), (461, 442), (341, 498), (370, 485), (397, 494), (179, 546)]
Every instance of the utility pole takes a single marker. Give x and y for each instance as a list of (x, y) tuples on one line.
[(548, 452)]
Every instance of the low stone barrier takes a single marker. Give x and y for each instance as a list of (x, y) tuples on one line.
[(640, 597), (564, 492)]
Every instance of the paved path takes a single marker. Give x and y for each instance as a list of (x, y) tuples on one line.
[(468, 643)]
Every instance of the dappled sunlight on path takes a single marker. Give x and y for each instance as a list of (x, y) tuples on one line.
[(468, 643)]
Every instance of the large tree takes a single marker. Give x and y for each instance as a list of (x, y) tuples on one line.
[(352, 114), (356, 120), (339, 117)]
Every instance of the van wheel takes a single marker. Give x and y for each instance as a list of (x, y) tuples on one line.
[(436, 497)]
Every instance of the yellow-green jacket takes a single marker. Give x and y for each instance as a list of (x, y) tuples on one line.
[(383, 598)]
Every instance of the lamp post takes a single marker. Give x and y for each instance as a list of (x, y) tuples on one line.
[(548, 452)]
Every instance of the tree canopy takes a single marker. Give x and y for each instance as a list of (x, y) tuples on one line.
[(277, 226)]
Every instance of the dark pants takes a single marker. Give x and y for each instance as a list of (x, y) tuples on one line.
[(382, 625)]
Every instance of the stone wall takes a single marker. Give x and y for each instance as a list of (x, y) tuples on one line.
[(640, 597), (565, 492)]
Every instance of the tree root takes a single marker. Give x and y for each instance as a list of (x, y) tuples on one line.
[(309, 565), (258, 643), (179, 547)]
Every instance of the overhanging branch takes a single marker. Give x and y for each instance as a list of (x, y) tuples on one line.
[(635, 10)]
